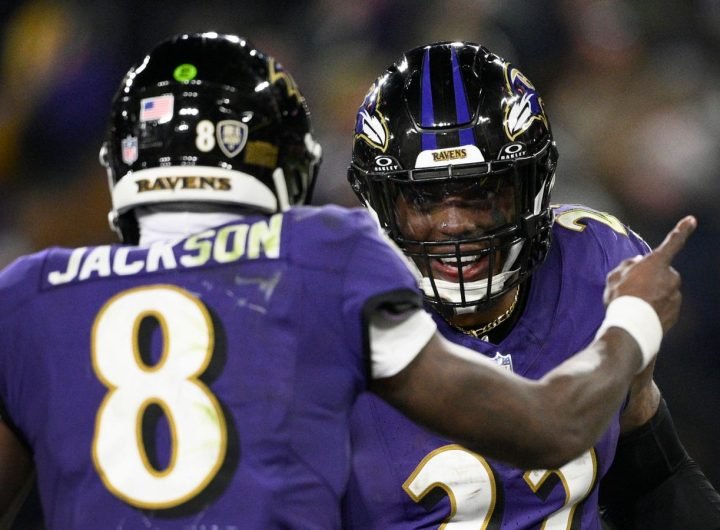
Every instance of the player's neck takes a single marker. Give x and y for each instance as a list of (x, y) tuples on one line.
[(490, 317), (168, 226)]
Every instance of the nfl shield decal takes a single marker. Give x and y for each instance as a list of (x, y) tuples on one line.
[(231, 136), (129, 150), (504, 361)]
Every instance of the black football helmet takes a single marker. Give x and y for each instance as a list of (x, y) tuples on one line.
[(452, 127), (207, 118)]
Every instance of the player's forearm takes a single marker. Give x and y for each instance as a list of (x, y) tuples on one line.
[(533, 424), (559, 417), (563, 414)]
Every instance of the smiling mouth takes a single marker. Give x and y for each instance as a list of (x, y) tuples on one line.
[(473, 268)]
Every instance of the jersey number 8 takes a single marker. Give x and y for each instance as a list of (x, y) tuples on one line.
[(196, 422)]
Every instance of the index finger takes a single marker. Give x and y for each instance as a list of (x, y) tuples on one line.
[(675, 240)]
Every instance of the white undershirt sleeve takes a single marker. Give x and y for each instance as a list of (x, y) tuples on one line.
[(396, 339)]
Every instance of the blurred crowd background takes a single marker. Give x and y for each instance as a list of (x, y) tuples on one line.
[(631, 89)]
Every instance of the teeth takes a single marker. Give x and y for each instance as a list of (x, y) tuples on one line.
[(465, 260)]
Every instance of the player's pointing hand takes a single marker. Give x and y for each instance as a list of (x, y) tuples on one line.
[(652, 277), (675, 240)]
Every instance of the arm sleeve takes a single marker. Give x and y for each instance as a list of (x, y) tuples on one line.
[(653, 482), (396, 339)]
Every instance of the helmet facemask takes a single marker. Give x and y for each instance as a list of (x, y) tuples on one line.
[(465, 227)]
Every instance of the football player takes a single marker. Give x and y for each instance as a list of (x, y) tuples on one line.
[(454, 154), (202, 374)]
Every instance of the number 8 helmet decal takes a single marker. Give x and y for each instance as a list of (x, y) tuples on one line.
[(208, 118), (454, 126)]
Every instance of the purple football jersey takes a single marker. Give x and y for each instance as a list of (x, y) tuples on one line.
[(407, 478), (203, 384)]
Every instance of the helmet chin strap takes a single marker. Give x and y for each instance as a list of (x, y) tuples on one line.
[(475, 292)]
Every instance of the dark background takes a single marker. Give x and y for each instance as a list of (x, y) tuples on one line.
[(631, 89)]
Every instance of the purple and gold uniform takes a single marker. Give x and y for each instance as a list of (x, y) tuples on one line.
[(405, 477), (202, 384)]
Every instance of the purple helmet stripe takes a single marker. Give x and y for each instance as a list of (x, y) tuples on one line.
[(461, 106), (427, 117), (467, 137)]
